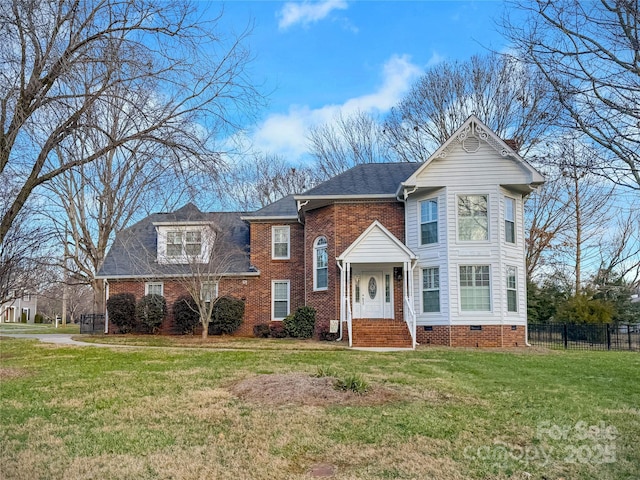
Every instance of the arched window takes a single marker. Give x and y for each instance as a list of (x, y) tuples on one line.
[(320, 264)]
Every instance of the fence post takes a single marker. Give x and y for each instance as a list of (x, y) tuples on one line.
[(608, 338), (565, 335), (629, 335)]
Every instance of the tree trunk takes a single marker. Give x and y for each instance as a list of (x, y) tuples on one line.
[(205, 330), (98, 296)]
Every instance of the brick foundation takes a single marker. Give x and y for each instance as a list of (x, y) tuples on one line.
[(465, 336)]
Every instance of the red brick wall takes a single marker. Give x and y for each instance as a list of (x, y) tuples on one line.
[(438, 335), (259, 294)]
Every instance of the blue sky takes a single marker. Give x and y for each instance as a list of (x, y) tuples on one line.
[(319, 58)]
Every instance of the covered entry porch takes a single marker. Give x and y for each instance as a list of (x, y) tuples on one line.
[(376, 290)]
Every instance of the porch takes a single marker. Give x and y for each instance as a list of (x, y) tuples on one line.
[(376, 291)]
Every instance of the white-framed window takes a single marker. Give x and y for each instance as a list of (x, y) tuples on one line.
[(320, 264), (473, 217), (428, 221), (193, 243), (156, 288), (209, 291), (475, 288), (174, 244), (509, 220), (512, 289), (182, 243), (280, 242), (431, 289), (280, 299)]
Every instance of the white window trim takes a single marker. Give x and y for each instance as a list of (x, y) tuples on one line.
[(273, 298), (488, 239), (475, 312), (436, 221), (207, 238), (148, 284), (273, 242), (422, 290), (315, 264), (515, 289), (515, 230), (215, 289)]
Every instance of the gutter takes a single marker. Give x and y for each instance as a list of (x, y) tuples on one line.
[(173, 275)]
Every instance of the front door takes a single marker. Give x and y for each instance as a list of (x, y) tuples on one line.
[(372, 295)]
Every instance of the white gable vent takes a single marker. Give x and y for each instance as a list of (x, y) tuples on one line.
[(471, 144)]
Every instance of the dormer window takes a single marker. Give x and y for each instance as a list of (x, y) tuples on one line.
[(182, 244)]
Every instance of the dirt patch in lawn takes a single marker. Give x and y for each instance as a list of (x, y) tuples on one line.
[(304, 389), (7, 373)]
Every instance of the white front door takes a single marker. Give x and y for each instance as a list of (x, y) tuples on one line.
[(372, 295)]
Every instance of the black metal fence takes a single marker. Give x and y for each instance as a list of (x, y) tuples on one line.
[(585, 336), (92, 323)]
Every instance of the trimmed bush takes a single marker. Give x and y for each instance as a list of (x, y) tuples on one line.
[(186, 316), (227, 315), (325, 335), (277, 330), (122, 311), (39, 318), (151, 311), (302, 323), (261, 330)]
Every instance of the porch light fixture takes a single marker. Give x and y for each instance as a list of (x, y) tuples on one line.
[(397, 273)]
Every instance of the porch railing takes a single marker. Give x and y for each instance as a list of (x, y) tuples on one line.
[(349, 318), (410, 318)]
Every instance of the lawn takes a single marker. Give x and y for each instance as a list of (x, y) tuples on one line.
[(177, 413)]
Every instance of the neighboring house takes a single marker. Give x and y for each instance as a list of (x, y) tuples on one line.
[(399, 253), (22, 309)]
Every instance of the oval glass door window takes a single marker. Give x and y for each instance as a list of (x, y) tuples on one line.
[(373, 288)]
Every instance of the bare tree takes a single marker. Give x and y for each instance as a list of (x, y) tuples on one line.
[(620, 251), (589, 54), (504, 93), (263, 179), (94, 201), (345, 142), (219, 253), (64, 61)]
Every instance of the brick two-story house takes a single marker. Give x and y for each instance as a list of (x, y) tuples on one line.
[(397, 253)]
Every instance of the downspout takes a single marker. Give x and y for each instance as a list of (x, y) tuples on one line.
[(106, 311), (304, 248), (339, 339)]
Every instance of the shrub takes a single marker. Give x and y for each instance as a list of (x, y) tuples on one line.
[(583, 309), (151, 311), (261, 330), (122, 311), (302, 323), (39, 318), (186, 316), (277, 330), (325, 335), (227, 315)]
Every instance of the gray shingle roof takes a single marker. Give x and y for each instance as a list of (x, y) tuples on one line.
[(366, 179), (133, 253), (285, 207)]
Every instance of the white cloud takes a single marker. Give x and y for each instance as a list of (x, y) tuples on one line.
[(307, 12), (285, 133)]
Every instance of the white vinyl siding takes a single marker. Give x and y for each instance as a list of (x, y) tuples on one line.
[(320, 264), (430, 290), (512, 289), (509, 220), (280, 237), (280, 299), (428, 221), (155, 288), (473, 217), (475, 288)]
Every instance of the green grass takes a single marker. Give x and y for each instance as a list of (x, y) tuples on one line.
[(38, 328), (80, 413)]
